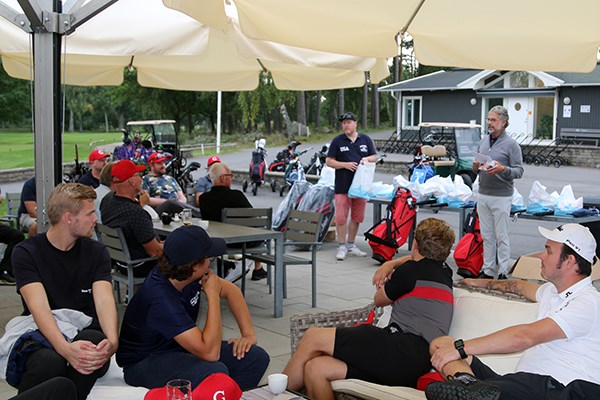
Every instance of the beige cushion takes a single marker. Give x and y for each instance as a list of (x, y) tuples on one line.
[(475, 315)]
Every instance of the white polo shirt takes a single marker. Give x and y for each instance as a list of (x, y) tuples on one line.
[(577, 312)]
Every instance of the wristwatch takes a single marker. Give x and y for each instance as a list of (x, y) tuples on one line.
[(460, 346)]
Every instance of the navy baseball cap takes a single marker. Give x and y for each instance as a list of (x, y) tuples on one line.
[(191, 243), (347, 115)]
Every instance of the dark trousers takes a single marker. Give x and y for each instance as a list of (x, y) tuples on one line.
[(11, 237), (45, 364), (157, 369), (59, 388), (526, 386)]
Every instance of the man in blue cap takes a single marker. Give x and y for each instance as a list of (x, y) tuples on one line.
[(160, 339)]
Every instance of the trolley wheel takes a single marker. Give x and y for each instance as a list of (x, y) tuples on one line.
[(547, 162), (528, 159), (254, 188), (273, 186), (245, 186), (557, 163), (537, 161), (281, 191)]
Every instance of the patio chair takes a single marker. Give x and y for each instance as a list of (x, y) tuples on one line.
[(302, 229), (114, 240), (13, 201), (252, 217)]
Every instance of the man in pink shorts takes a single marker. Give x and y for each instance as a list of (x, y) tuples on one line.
[(346, 151)]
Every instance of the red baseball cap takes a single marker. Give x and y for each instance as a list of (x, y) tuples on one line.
[(158, 157), (124, 170), (212, 160), (216, 386), (97, 155)]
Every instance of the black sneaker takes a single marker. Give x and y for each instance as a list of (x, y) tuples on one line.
[(259, 274), (502, 276), (7, 279), (483, 275), (462, 387)]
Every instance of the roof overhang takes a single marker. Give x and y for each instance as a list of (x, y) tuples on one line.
[(516, 92)]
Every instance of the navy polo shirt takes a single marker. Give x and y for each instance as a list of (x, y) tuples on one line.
[(342, 149)]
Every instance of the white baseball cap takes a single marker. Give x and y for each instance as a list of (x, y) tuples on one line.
[(577, 237)]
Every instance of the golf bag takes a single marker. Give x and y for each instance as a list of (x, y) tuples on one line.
[(258, 166), (468, 253), (387, 235), (319, 198), (289, 202)]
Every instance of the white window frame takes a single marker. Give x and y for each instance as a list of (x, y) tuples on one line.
[(405, 101)]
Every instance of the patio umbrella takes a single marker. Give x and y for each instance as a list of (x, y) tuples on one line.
[(173, 51), (547, 35)]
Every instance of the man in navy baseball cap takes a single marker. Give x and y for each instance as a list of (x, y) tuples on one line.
[(160, 335)]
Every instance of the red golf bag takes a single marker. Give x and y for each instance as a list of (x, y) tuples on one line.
[(387, 235), (468, 253)]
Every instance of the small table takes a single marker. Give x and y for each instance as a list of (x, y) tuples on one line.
[(240, 234), (263, 393)]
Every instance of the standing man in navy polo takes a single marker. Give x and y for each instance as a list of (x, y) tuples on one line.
[(345, 153)]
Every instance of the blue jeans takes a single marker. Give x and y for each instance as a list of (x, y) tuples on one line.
[(157, 369)]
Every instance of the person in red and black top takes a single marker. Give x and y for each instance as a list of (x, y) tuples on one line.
[(419, 289)]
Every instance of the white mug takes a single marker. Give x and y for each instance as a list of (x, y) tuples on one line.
[(277, 383)]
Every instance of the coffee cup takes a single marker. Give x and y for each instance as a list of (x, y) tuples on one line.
[(277, 383), (166, 218)]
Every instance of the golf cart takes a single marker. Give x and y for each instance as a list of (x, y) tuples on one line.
[(161, 133), (450, 147)]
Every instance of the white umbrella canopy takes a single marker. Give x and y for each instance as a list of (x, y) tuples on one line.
[(173, 51), (547, 35)]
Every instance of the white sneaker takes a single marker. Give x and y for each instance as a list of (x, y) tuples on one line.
[(355, 251), (234, 273), (341, 253)]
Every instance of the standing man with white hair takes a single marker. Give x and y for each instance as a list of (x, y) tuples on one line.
[(496, 186)]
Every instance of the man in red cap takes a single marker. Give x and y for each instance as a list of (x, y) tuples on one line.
[(97, 159), (123, 210), (160, 186), (204, 184)]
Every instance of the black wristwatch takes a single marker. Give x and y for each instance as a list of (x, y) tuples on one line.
[(460, 346)]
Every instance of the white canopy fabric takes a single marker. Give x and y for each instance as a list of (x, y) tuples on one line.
[(546, 35), (173, 51)]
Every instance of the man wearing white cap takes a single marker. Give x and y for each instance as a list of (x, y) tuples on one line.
[(562, 360), (204, 184), (97, 159)]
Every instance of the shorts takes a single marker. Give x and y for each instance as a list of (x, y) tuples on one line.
[(377, 355), (343, 204)]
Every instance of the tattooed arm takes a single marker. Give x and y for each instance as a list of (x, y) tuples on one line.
[(522, 288)]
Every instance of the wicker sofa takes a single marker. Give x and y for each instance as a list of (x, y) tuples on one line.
[(477, 312)]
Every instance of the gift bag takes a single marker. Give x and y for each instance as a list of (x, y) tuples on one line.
[(460, 194), (517, 202), (539, 200), (567, 203), (362, 182), (327, 176), (421, 173), (382, 190)]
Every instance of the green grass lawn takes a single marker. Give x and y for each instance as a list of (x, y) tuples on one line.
[(16, 148)]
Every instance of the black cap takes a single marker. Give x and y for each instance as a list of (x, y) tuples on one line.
[(191, 243), (347, 115)]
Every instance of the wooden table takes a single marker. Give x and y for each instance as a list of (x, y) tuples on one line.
[(240, 234)]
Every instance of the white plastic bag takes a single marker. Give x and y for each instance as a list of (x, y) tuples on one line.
[(539, 200), (567, 202), (460, 194), (327, 176), (400, 181), (382, 190), (362, 182), (518, 201)]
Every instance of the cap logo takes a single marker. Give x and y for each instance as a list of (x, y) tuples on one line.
[(219, 395), (573, 245)]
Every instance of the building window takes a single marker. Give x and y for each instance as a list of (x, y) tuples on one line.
[(411, 107)]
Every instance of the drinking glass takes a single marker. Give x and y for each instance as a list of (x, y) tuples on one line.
[(186, 216), (179, 389)]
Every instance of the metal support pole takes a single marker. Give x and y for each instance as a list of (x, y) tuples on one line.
[(219, 95)]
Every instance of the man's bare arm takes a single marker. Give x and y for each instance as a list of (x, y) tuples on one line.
[(522, 288)]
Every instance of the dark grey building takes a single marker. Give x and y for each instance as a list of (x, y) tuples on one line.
[(539, 103)]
